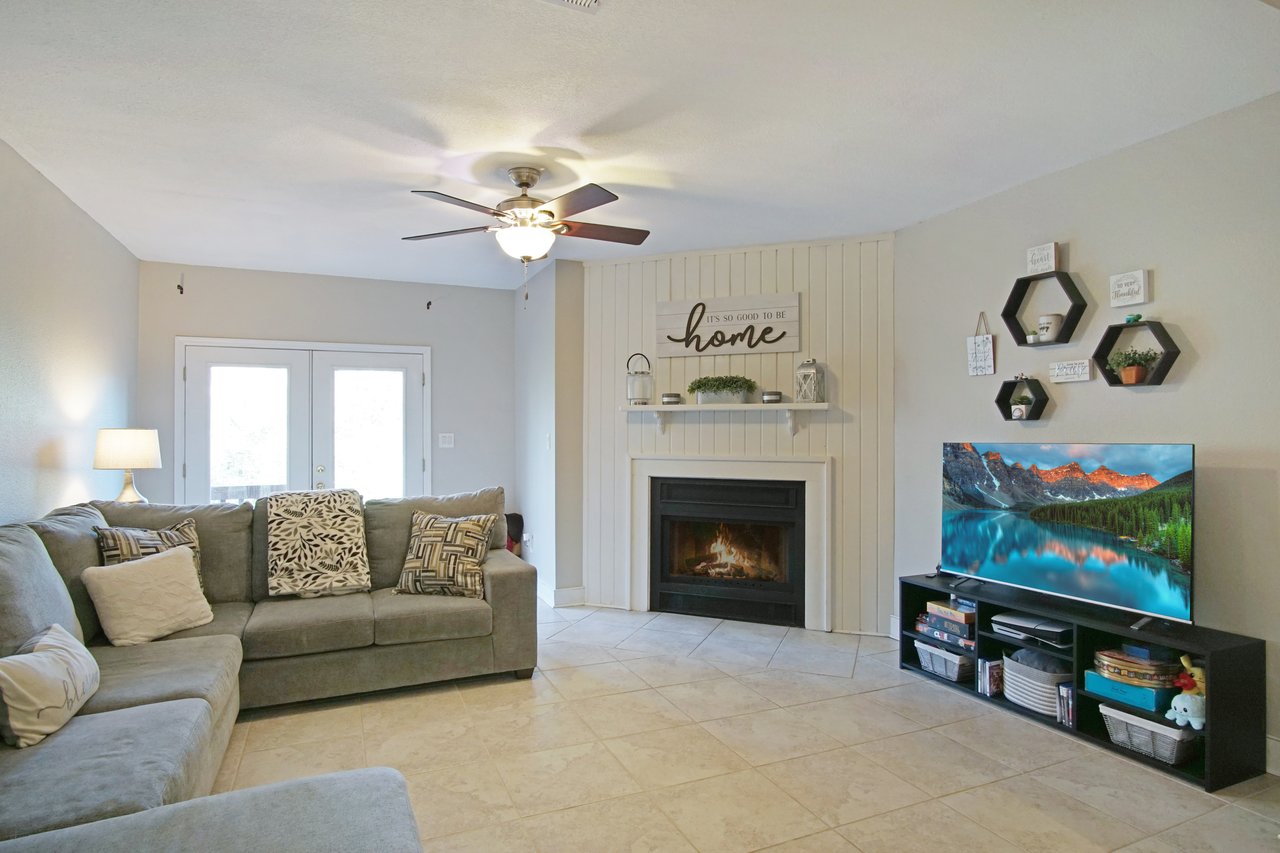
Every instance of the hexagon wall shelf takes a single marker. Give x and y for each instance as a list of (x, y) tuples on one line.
[(1039, 399), (1070, 319), (1155, 376)]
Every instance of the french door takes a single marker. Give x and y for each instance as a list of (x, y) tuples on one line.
[(263, 417)]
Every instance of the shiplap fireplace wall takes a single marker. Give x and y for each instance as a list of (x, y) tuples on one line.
[(846, 305)]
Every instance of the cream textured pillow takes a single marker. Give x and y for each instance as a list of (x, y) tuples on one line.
[(44, 684), (445, 555), (147, 598)]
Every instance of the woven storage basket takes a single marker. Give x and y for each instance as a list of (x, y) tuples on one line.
[(944, 664), (1032, 688), (1163, 743)]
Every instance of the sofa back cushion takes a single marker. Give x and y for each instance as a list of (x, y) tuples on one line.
[(67, 534), (32, 594), (387, 523), (226, 540)]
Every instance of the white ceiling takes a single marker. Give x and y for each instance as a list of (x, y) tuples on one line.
[(286, 134)]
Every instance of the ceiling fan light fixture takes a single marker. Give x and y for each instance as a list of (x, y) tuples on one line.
[(525, 242)]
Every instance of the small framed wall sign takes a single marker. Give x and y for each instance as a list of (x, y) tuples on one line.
[(1070, 371), (1129, 288), (1042, 259)]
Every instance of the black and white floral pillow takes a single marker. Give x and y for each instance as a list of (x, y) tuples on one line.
[(445, 555), (315, 544)]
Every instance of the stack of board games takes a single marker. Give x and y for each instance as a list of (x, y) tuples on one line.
[(951, 622), (1138, 676)]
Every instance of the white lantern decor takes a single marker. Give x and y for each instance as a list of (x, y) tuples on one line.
[(639, 382), (809, 382)]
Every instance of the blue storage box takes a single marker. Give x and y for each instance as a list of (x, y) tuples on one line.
[(1153, 699)]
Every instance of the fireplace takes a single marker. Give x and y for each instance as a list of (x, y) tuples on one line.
[(730, 549)]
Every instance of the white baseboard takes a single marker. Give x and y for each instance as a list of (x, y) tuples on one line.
[(1273, 755), (570, 596)]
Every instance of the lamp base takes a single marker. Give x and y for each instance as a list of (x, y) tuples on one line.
[(129, 494)]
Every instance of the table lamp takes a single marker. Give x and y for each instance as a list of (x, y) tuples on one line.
[(127, 449)]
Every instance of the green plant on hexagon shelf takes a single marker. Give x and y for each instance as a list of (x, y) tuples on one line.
[(1131, 364), (722, 389)]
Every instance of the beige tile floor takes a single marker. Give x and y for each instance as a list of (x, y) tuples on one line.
[(657, 732)]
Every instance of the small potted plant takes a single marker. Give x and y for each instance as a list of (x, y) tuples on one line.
[(1020, 407), (1033, 337), (722, 389), (1131, 364)]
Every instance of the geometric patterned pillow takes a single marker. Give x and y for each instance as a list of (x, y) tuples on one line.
[(445, 555), (315, 544), (122, 544)]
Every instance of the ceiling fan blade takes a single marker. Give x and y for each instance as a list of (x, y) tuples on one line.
[(460, 202), (576, 201), (448, 233), (611, 233)]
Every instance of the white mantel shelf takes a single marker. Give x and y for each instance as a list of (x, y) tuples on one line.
[(662, 413)]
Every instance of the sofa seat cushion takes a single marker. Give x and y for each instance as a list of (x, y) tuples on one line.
[(228, 618), (359, 811), (282, 628), (400, 618), (103, 765), (205, 668)]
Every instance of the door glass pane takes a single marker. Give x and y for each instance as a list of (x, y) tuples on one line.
[(368, 432), (248, 432)]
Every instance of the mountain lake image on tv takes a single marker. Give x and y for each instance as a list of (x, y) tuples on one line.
[(1103, 523)]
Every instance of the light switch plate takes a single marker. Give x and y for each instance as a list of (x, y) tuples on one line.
[(446, 439)]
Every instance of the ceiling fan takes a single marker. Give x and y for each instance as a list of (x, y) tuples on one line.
[(527, 226)]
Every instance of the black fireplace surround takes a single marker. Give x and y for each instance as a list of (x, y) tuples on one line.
[(730, 549)]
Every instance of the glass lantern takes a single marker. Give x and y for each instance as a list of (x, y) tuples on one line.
[(809, 382), (639, 382)]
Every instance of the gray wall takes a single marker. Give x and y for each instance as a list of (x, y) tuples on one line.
[(468, 329), (68, 344), (548, 438), (1200, 208)]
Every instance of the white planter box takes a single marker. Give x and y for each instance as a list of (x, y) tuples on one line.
[(713, 397)]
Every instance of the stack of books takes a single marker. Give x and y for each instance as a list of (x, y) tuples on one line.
[(951, 622)]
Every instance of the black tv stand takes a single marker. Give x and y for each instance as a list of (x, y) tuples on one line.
[(1232, 746)]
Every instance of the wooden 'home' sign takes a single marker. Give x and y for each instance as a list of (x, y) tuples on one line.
[(730, 325)]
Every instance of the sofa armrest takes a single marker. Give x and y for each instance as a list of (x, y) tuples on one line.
[(511, 588)]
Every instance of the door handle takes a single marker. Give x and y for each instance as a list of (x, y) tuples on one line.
[(318, 485)]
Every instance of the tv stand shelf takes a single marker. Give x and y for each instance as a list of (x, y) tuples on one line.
[(1232, 746)]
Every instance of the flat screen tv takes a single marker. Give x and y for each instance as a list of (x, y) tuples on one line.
[(1108, 524)]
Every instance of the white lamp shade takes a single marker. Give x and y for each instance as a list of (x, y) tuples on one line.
[(125, 449), (525, 241)]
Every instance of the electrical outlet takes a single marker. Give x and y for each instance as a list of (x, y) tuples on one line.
[(446, 439)]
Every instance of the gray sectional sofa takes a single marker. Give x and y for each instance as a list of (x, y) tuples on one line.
[(155, 731)]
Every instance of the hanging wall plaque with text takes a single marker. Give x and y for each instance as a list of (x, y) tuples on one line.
[(729, 325)]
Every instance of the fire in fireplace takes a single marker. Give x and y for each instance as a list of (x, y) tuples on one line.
[(728, 548), (731, 550)]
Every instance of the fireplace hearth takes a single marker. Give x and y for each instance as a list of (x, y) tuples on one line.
[(728, 549)]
